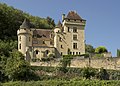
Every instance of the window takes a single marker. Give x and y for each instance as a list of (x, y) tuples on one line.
[(68, 29), (75, 29), (60, 39), (74, 45), (51, 43), (61, 53), (20, 46), (76, 53), (36, 51), (47, 51), (73, 53), (43, 42), (61, 46), (79, 53), (74, 37), (20, 38), (70, 53)]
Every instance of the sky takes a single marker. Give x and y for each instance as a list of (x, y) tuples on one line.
[(102, 17)]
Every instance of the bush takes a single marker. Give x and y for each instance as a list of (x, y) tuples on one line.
[(64, 83)]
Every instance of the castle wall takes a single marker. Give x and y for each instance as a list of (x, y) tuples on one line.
[(106, 63)]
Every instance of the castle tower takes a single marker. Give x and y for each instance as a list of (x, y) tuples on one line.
[(24, 37), (73, 31)]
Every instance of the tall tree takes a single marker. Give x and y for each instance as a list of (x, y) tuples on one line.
[(101, 49)]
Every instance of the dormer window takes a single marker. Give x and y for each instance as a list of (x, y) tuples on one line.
[(43, 42)]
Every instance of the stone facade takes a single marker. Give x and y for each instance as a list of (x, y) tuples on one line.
[(66, 38)]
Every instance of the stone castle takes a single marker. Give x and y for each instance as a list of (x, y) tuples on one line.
[(66, 38)]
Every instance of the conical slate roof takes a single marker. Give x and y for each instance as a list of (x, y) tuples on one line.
[(25, 24)]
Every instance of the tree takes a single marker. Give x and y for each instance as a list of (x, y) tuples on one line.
[(89, 48), (103, 75), (17, 68), (118, 52), (88, 72), (101, 49), (11, 19)]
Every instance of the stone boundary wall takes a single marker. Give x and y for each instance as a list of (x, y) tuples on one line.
[(106, 63)]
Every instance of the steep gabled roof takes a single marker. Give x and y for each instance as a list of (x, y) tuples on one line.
[(25, 24), (73, 15)]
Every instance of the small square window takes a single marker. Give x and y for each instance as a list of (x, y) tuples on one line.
[(75, 29), (60, 39), (74, 37)]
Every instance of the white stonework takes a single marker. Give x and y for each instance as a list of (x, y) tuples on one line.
[(66, 38)]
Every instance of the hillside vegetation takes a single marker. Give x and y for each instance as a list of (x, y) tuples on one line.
[(11, 19)]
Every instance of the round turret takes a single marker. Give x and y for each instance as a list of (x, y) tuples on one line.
[(24, 37)]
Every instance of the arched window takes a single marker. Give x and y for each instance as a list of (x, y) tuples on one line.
[(36, 52), (47, 51)]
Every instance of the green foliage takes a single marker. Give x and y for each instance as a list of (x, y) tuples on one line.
[(64, 83), (89, 48), (66, 60), (17, 68), (98, 56), (11, 19), (118, 53), (101, 49), (88, 72), (102, 74)]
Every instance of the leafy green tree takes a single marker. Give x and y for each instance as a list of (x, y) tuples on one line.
[(101, 49), (11, 19), (17, 68), (103, 75), (64, 62), (89, 48), (88, 72)]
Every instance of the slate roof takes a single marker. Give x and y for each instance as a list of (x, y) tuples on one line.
[(25, 24), (42, 33), (73, 15)]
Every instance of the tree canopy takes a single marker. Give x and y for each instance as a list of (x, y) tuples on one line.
[(101, 49), (89, 48), (11, 19)]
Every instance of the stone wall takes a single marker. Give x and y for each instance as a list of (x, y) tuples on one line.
[(106, 63)]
